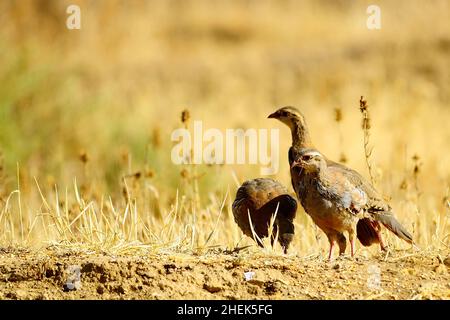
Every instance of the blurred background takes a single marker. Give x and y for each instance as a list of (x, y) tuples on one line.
[(100, 103)]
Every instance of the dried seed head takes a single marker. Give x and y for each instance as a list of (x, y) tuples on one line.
[(185, 116), (124, 192), (446, 201), (417, 164), (343, 158), (149, 173), (363, 105), (364, 108), (137, 175), (124, 154), (404, 185), (338, 114), (156, 137), (184, 174), (83, 156)]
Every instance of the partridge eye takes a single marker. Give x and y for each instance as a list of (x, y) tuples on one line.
[(306, 158)]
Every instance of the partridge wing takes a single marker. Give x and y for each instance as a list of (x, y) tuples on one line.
[(344, 192), (378, 209)]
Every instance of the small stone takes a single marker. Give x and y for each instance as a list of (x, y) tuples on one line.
[(21, 294), (252, 290), (77, 285), (68, 287), (272, 287), (41, 296), (408, 271), (212, 288), (103, 278), (120, 289), (235, 296), (257, 282), (249, 275), (441, 269), (285, 282), (100, 289), (447, 261)]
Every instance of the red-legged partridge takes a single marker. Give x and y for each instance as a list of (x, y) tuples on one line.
[(336, 201), (367, 228)]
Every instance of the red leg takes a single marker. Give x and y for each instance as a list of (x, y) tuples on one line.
[(377, 228), (352, 246), (351, 238), (331, 249), (380, 239)]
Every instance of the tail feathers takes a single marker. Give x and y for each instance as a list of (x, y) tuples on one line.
[(389, 221), (366, 232)]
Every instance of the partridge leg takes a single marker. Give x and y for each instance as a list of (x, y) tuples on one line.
[(351, 236), (332, 242), (352, 246), (377, 228), (380, 239)]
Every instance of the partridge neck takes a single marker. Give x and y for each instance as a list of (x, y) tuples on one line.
[(323, 177), (300, 135)]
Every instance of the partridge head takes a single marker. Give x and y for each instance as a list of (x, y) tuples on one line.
[(311, 161), (288, 115), (295, 120)]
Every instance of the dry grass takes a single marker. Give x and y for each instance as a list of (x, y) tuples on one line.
[(86, 116)]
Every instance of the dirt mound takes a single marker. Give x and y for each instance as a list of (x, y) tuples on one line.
[(52, 274)]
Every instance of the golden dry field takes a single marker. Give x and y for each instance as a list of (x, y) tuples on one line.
[(86, 117)]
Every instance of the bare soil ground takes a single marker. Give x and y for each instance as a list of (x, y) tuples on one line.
[(52, 274)]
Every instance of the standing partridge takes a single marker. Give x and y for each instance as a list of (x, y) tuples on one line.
[(260, 198), (368, 231), (336, 201)]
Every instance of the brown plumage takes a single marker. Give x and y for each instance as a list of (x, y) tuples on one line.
[(261, 197), (367, 229)]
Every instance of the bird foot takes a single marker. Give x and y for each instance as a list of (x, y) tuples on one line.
[(341, 257), (344, 256)]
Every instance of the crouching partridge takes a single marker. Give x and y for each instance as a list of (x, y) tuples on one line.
[(259, 199)]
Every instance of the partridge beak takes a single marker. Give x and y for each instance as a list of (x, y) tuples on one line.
[(294, 164), (273, 115)]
